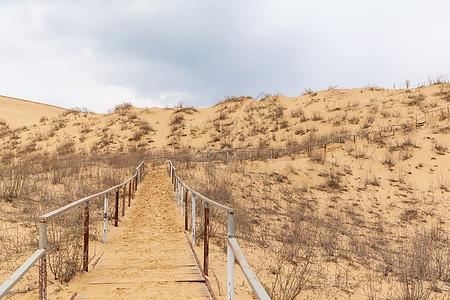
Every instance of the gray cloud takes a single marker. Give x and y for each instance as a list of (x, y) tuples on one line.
[(100, 53)]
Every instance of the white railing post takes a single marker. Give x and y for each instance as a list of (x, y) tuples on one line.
[(43, 260), (105, 219), (176, 191), (230, 258), (182, 199), (193, 219)]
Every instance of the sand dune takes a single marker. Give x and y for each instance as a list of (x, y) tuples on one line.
[(18, 112)]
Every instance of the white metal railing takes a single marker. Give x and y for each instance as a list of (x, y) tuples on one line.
[(41, 253), (233, 249)]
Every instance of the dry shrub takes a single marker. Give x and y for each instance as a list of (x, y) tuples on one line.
[(292, 262), (415, 99), (421, 262), (176, 119), (123, 108)]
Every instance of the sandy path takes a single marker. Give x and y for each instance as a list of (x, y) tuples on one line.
[(147, 256)]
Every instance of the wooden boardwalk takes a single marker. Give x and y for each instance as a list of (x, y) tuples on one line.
[(147, 256)]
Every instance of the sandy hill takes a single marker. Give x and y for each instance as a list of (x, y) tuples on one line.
[(368, 219), (16, 113), (236, 122)]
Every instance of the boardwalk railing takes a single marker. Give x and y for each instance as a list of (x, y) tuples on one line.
[(41, 254), (182, 191)]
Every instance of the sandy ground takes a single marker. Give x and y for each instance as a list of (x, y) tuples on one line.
[(147, 256)]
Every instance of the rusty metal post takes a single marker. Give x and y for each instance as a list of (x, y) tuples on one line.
[(325, 148), (193, 219), (43, 260), (206, 240), (186, 211), (86, 238), (124, 199), (116, 212), (354, 138), (135, 184), (129, 194), (105, 219)]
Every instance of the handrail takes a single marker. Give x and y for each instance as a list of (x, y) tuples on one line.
[(256, 285), (212, 202), (41, 253), (20, 272), (58, 211)]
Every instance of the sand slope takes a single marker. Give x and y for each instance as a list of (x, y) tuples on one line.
[(18, 113)]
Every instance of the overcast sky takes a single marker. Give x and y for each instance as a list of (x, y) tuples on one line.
[(98, 54)]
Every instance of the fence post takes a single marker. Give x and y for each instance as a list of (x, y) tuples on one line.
[(181, 200), (105, 219), (129, 194), (230, 258), (193, 219), (271, 156), (135, 184), (116, 212), (186, 210), (206, 244), (177, 187), (235, 155), (250, 154), (325, 147), (227, 155), (124, 199), (86, 238), (43, 260)]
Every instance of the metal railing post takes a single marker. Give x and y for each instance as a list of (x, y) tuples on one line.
[(43, 260), (86, 238), (186, 211), (230, 258), (193, 219), (105, 219), (116, 212), (181, 200), (206, 240), (129, 194), (176, 192), (124, 199)]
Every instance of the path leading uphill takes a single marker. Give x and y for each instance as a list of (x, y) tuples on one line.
[(147, 256)]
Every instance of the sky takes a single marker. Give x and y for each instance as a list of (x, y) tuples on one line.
[(98, 54)]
